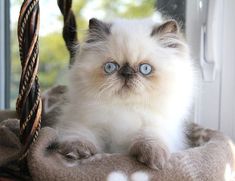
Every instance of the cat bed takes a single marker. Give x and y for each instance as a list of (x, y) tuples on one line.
[(210, 158)]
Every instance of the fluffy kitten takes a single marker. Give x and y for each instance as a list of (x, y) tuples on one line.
[(130, 89)]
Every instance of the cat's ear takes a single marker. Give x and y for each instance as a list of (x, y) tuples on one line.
[(98, 30), (170, 26), (168, 33)]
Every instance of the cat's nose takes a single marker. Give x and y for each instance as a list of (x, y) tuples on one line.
[(126, 71)]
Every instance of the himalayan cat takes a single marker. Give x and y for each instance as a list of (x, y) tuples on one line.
[(130, 91)]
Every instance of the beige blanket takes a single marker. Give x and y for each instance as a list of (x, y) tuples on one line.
[(211, 158)]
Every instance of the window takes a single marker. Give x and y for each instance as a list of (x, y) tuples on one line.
[(4, 55)]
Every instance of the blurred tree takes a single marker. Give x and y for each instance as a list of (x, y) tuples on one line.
[(128, 8)]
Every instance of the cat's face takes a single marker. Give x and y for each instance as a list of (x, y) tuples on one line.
[(131, 60)]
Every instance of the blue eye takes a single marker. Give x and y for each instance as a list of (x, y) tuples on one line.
[(110, 67), (145, 69)]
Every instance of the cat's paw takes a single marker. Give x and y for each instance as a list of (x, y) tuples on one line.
[(152, 153), (77, 149)]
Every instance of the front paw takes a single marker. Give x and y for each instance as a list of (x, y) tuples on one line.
[(77, 149), (152, 153)]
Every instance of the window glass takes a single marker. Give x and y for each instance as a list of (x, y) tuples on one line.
[(174, 9)]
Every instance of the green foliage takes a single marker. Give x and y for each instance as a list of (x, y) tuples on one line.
[(128, 9), (53, 59), (53, 55)]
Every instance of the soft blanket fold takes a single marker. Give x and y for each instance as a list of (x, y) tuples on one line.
[(207, 162)]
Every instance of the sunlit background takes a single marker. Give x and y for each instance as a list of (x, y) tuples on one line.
[(53, 54)]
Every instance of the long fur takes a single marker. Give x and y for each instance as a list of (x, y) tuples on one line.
[(111, 116)]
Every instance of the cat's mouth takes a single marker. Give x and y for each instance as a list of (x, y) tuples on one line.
[(126, 87), (127, 84)]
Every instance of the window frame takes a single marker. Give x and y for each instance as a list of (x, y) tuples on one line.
[(5, 62)]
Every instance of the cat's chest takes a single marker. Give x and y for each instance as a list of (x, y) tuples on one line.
[(117, 118)]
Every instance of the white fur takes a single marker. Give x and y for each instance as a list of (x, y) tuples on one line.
[(111, 121)]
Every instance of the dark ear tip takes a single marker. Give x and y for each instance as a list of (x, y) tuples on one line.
[(174, 24), (97, 25), (92, 21), (173, 21), (169, 26)]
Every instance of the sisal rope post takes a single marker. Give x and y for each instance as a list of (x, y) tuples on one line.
[(29, 104), (70, 27)]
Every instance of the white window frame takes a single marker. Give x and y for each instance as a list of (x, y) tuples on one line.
[(215, 101)]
